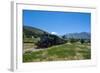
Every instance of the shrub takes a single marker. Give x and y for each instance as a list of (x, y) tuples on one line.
[(72, 40), (48, 40), (82, 41)]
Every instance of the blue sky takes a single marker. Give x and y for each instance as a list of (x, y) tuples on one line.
[(58, 22)]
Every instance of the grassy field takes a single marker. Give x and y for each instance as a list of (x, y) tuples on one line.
[(68, 51)]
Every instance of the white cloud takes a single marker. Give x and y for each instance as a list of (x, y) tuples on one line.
[(53, 33)]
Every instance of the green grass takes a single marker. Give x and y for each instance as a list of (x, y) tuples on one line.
[(66, 51)]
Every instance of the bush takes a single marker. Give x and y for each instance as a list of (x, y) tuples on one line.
[(82, 41), (48, 40), (72, 40)]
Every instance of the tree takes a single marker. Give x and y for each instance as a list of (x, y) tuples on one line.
[(64, 37), (72, 40), (48, 40), (82, 41)]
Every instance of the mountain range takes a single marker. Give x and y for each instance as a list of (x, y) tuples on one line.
[(29, 31), (81, 35)]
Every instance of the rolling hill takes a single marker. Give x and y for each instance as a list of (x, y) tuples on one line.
[(29, 31), (33, 34)]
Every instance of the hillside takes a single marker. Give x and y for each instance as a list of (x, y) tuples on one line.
[(34, 35), (74, 51), (43, 39), (39, 45), (29, 31)]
